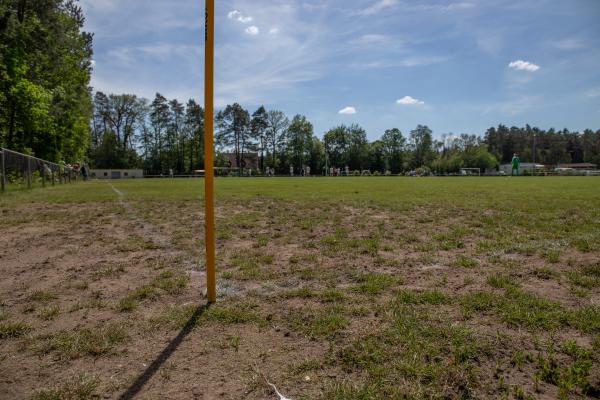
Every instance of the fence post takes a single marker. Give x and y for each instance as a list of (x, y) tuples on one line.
[(3, 170), (28, 173)]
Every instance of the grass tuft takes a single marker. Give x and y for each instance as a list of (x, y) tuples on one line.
[(13, 329), (98, 341), (42, 296), (82, 386), (375, 283), (421, 297)]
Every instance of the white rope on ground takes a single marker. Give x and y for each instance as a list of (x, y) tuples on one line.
[(281, 397)]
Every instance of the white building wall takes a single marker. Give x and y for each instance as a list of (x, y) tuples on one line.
[(116, 173)]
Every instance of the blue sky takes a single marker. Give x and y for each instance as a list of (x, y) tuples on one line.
[(457, 66)]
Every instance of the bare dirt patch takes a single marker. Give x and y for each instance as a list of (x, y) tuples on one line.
[(103, 299)]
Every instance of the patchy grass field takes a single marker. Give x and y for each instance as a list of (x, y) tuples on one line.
[(341, 288)]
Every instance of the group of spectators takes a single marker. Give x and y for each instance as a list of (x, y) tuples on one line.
[(76, 169), (305, 171)]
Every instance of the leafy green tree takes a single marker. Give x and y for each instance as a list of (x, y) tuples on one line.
[(45, 66), (175, 136), (258, 127), (358, 149), (277, 125), (464, 151), (316, 156), (233, 126), (377, 156), (111, 154), (394, 145), (194, 131), (422, 146), (337, 145), (160, 118), (591, 146), (347, 146), (299, 141)]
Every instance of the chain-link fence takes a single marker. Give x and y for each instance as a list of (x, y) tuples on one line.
[(20, 171)]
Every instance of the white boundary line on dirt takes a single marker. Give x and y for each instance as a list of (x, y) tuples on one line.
[(150, 231), (118, 192), (153, 234)]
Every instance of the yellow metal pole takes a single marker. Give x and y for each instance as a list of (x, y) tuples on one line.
[(209, 196)]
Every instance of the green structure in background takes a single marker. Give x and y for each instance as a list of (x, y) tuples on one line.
[(516, 164)]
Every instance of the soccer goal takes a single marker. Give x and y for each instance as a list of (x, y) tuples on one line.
[(470, 171)]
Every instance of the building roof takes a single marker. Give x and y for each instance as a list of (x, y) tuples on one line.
[(577, 165)]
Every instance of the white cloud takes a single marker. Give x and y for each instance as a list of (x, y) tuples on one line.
[(409, 101), (458, 6), (409, 62), (274, 31), (415, 6), (372, 38), (233, 14), (491, 41), (421, 61), (237, 15), (378, 7), (103, 6), (318, 6), (347, 110), (594, 92), (521, 105), (117, 19), (252, 30), (569, 44), (272, 69), (523, 66)]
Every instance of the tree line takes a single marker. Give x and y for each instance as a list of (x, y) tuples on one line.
[(47, 109), (45, 67), (549, 147), (162, 135), (132, 132)]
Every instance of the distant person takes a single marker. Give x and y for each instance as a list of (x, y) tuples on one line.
[(171, 172), (516, 164), (307, 170), (84, 172), (291, 170), (62, 175)]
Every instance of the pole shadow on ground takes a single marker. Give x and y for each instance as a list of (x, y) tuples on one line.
[(153, 368)]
